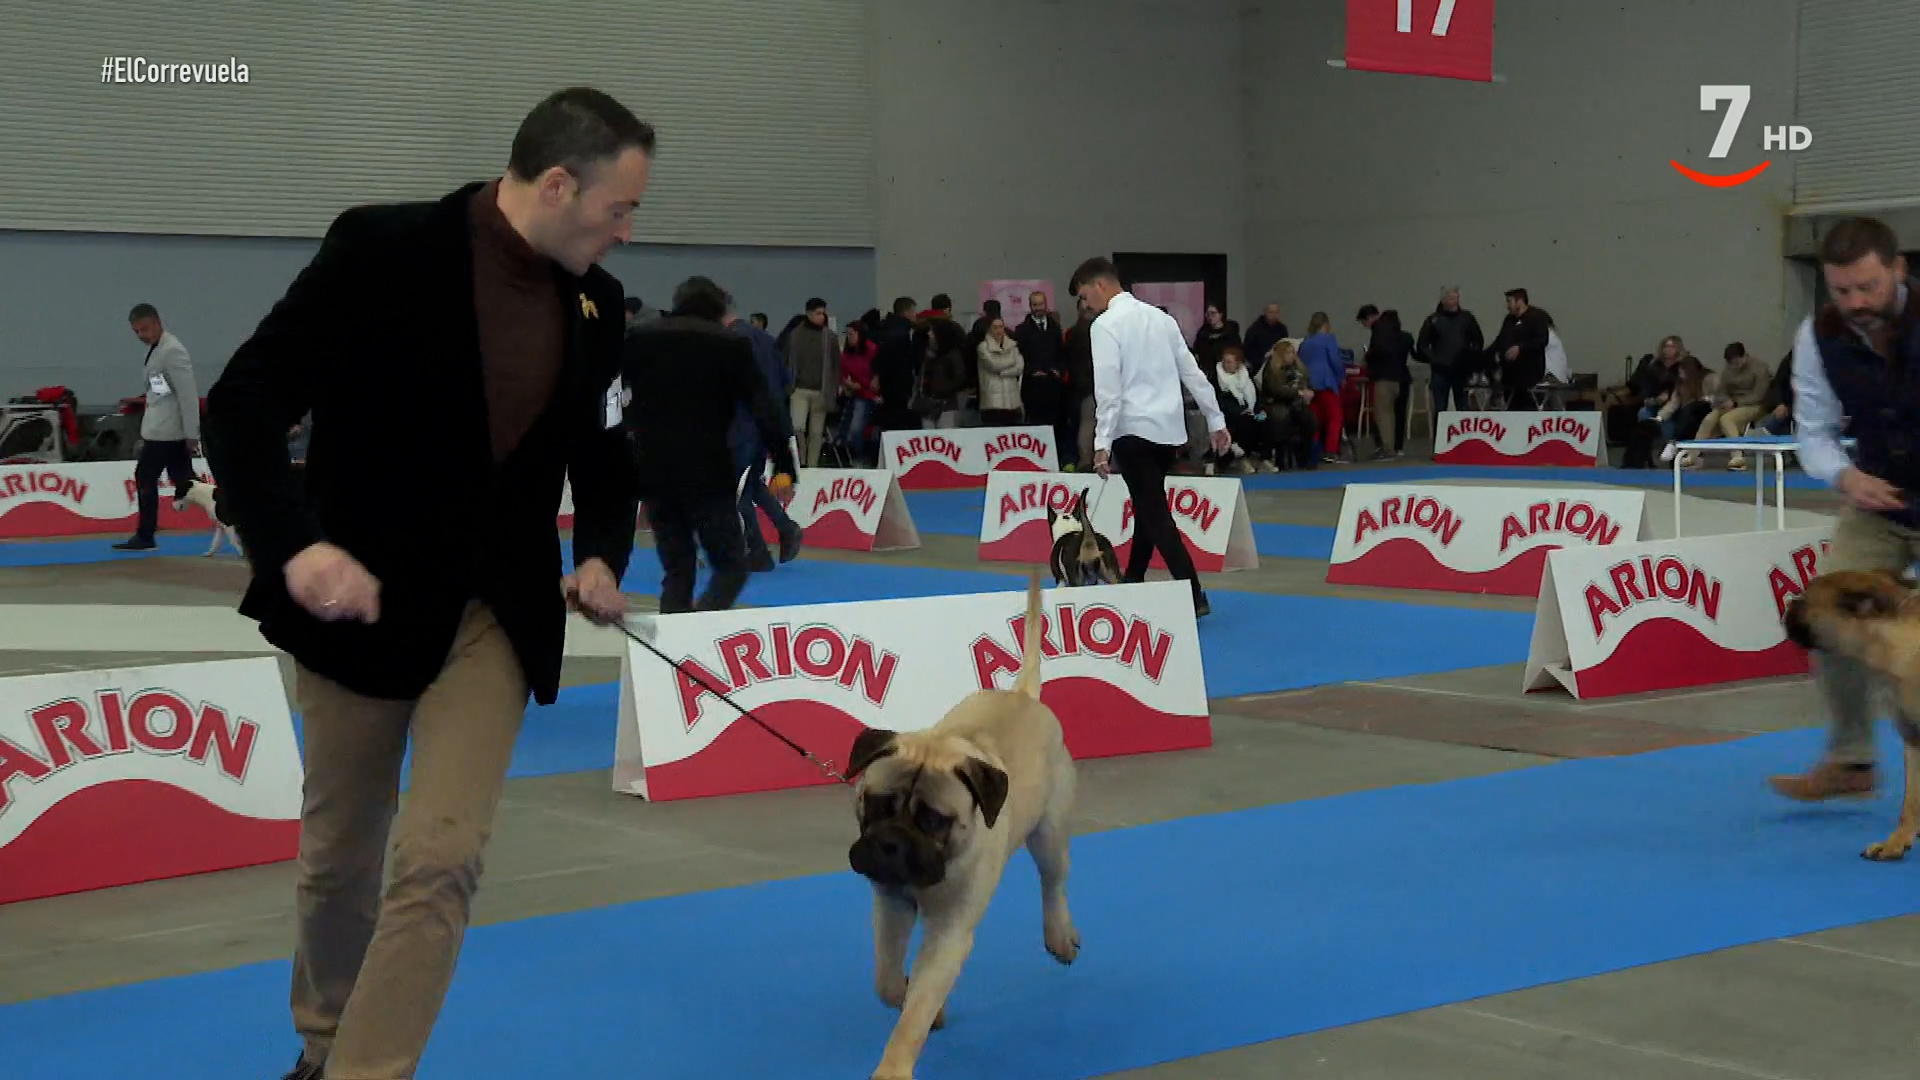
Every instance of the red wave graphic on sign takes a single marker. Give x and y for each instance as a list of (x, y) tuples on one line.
[(1014, 463), (837, 530), (1098, 719), (1029, 542), (1405, 563), (1667, 654), (45, 519), (127, 831), (933, 474), (1475, 451), (1206, 562)]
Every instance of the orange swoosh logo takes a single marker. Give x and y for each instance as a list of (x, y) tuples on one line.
[(1712, 180)]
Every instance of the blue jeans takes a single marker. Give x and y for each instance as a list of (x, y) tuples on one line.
[(855, 415), (754, 494), (1775, 425)]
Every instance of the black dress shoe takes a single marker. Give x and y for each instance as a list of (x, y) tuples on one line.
[(790, 546), (305, 1070), (1201, 608), (138, 543)]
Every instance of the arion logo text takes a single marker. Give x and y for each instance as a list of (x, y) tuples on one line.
[(1788, 137)]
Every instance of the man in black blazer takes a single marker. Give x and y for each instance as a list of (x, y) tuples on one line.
[(460, 359), (689, 375)]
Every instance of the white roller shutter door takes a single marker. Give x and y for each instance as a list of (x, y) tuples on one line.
[(762, 107), (1858, 92)]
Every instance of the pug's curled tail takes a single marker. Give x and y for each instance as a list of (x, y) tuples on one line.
[(1029, 681)]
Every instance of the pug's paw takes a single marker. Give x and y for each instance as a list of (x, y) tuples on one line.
[(1892, 849), (1063, 941)]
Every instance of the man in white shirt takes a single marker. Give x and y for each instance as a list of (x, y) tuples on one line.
[(1850, 361), (1140, 362)]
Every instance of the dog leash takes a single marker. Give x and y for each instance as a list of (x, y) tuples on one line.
[(823, 766)]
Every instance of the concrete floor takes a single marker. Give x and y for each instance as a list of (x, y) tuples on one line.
[(1837, 1005)]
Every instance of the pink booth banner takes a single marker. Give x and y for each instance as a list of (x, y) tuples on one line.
[(1186, 301), (1013, 295)]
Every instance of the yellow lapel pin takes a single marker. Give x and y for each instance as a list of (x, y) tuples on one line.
[(587, 307)]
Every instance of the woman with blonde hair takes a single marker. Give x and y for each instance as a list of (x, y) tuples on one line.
[(1287, 394)]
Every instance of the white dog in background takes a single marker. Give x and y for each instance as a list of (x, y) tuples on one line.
[(207, 497)]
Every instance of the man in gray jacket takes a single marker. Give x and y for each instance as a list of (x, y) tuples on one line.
[(170, 427), (813, 355)]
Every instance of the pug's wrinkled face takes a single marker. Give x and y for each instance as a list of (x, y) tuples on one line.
[(919, 804)]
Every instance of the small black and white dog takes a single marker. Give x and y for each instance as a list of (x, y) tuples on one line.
[(1081, 556), (208, 498)]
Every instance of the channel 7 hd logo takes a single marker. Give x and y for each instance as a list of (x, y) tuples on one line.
[(1787, 137)]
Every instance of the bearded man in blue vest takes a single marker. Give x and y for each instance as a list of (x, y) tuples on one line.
[(1858, 360)]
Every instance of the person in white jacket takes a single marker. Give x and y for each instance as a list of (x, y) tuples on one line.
[(1001, 369)]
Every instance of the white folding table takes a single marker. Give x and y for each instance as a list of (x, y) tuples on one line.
[(1760, 447)]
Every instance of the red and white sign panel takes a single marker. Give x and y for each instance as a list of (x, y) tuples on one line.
[(1671, 613), (848, 510), (120, 776), (1456, 538), (1520, 438), (1450, 39), (84, 498), (1210, 511), (1013, 294), (1121, 668), (946, 458)]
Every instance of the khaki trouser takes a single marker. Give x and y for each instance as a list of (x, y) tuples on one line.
[(1732, 423), (371, 969), (1861, 541), (808, 410), (1386, 414)]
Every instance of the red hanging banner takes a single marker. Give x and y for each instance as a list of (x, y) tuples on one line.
[(1451, 39)]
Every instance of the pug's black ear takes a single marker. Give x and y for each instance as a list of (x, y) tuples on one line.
[(868, 747), (1798, 630), (988, 784)]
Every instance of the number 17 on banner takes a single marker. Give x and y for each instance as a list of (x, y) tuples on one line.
[(1450, 39)]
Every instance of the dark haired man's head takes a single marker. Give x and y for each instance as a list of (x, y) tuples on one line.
[(701, 298), (145, 321), (576, 172), (759, 319), (817, 311), (1367, 315), (1861, 261), (1517, 301), (1096, 283), (990, 309), (1735, 351), (903, 306), (633, 307), (942, 302), (870, 318)]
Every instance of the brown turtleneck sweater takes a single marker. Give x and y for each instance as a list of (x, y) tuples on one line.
[(522, 318)]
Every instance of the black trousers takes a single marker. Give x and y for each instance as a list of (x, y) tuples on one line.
[(1143, 465), (713, 521), (169, 456), (755, 496)]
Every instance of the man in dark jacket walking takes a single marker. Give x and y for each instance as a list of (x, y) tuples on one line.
[(690, 376), (1450, 342), (1521, 350), (1388, 349), (897, 368), (750, 451), (1043, 346), (423, 606)]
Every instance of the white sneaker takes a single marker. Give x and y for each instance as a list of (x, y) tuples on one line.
[(1737, 461), (1666, 456)]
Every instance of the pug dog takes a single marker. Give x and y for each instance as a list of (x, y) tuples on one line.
[(1080, 556), (941, 812), (1873, 617)]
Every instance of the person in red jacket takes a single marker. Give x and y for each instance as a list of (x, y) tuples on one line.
[(859, 390)]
